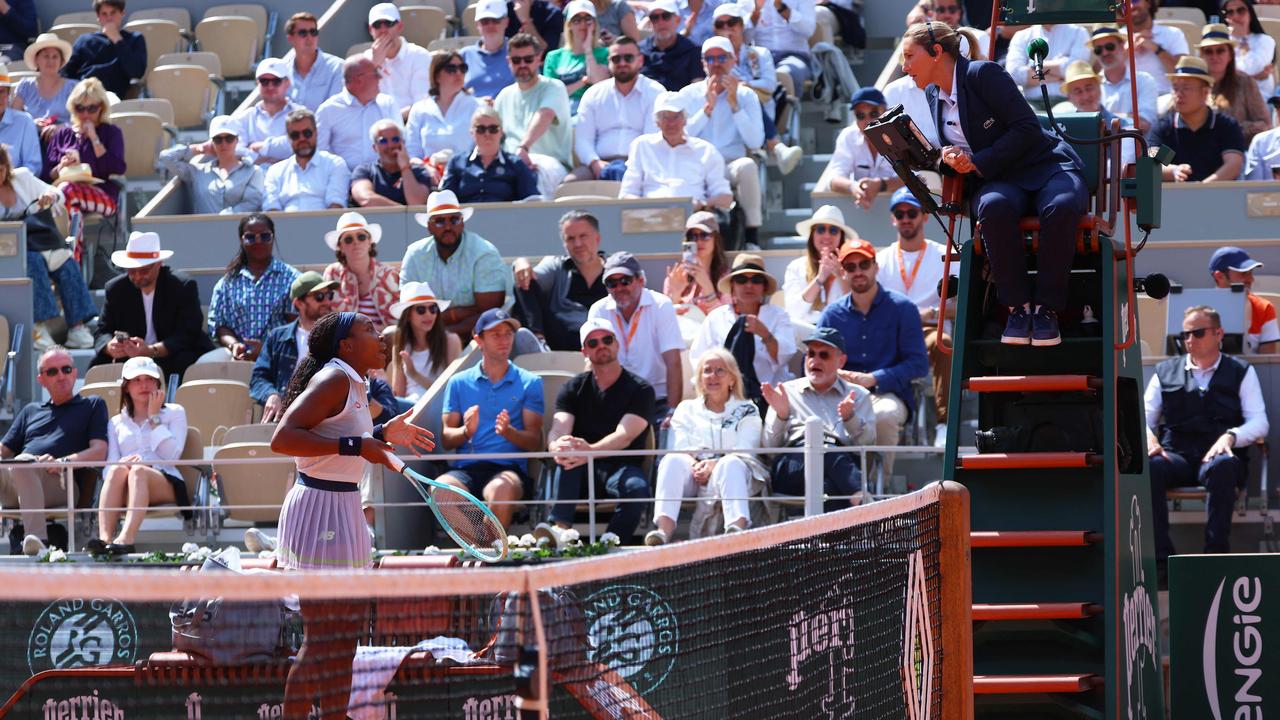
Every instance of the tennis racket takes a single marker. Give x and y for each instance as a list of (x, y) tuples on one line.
[(472, 525)]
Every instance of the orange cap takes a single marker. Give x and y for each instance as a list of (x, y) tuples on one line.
[(857, 246)]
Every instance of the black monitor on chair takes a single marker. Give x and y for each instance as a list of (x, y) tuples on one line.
[(895, 136)]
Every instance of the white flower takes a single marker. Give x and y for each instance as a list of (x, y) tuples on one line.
[(544, 542), (528, 540), (189, 547), (568, 535), (574, 544), (513, 541), (56, 555), (43, 555), (430, 550), (610, 539)]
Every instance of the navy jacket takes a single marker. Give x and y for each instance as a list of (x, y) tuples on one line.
[(115, 64), (18, 26), (1006, 137), (175, 316)]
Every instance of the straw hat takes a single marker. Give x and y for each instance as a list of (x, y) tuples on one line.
[(416, 293), (78, 173), (1215, 34), (46, 40), (348, 222), (748, 264), (142, 249), (1192, 67), (1077, 71), (442, 202), (826, 215)]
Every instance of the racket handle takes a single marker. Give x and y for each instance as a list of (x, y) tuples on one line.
[(396, 463)]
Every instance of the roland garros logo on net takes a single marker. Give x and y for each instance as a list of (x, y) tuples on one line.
[(75, 632), (633, 631), (1245, 616)]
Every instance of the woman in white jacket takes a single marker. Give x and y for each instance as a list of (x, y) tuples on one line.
[(705, 427)]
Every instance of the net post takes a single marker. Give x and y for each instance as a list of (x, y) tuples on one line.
[(535, 708), (813, 466), (957, 600)]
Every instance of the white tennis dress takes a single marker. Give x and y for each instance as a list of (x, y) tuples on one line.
[(321, 523)]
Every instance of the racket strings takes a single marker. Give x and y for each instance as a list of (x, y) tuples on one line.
[(469, 521)]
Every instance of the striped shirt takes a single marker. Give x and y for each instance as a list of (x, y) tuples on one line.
[(251, 306)]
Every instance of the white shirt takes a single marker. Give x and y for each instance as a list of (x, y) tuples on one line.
[(652, 331), (1066, 43), (154, 444), (715, 330), (609, 121), (1251, 404), (429, 131), (323, 182), (1264, 151), (692, 169), (1117, 98), (1173, 42), (322, 81), (301, 337), (794, 281), (906, 93), (407, 76), (853, 159), (782, 35), (1253, 53), (952, 131), (148, 302), (924, 288), (733, 133), (344, 124), (696, 427), (256, 124)]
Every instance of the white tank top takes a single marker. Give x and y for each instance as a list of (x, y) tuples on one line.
[(353, 420)]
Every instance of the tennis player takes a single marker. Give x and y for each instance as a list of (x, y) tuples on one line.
[(328, 429)]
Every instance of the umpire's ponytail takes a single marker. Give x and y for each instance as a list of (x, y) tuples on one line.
[(320, 350)]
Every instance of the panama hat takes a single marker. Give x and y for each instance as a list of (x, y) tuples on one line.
[(1215, 34), (1077, 71), (826, 215), (142, 249), (442, 202), (78, 173), (748, 264), (348, 222), (46, 40), (1192, 67), (416, 293)]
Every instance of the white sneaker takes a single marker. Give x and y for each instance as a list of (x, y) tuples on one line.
[(79, 337), (41, 339), (655, 538), (256, 541), (32, 545), (940, 436), (788, 157), (548, 532)]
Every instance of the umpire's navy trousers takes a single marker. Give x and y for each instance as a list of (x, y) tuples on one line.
[(1060, 203), (1220, 476)]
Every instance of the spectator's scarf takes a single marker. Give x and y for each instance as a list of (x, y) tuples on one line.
[(742, 345)]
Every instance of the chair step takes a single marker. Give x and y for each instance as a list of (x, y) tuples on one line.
[(1032, 538), (1021, 684), (1034, 383), (1036, 611), (1030, 461)]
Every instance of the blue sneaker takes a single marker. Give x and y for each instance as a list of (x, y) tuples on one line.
[(1017, 329), (1044, 328)]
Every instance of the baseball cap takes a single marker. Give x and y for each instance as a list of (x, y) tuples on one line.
[(309, 282), (592, 325), (716, 42), (1232, 258), (731, 9), (139, 366), (579, 7), (868, 96), (384, 11), (857, 246), (827, 336), (222, 125), (494, 317), (274, 67), (664, 5), (621, 263), (902, 195), (491, 10), (668, 102), (703, 220)]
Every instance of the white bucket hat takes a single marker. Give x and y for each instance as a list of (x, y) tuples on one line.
[(416, 293), (827, 215), (142, 249), (349, 221), (442, 202)]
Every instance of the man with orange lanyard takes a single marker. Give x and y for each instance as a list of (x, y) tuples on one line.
[(647, 330), (912, 266)]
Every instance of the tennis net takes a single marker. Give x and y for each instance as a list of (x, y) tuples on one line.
[(859, 613)]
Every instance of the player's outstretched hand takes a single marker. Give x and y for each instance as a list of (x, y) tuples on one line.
[(399, 431)]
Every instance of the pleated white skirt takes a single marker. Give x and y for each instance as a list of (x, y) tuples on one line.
[(322, 530)]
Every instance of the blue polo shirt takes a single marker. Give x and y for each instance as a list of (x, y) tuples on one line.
[(487, 72), (887, 342), (1202, 149), (58, 430), (517, 391)]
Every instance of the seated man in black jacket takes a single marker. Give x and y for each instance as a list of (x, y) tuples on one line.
[(113, 55), (552, 299), (150, 310)]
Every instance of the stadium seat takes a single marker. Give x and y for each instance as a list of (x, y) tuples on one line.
[(208, 60), (191, 90), (257, 13), (108, 391), (1189, 29), (1267, 11), (235, 370), (70, 31), (214, 403), (559, 360), (257, 432), (453, 43), (445, 6), (250, 483), (179, 16), (194, 478), (79, 17), (160, 107), (358, 48), (162, 36), (588, 189), (469, 25), (145, 135), (10, 345), (1189, 14), (234, 39), (107, 373), (423, 24)]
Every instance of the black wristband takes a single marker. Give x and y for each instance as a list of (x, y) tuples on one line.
[(377, 432), (350, 445)]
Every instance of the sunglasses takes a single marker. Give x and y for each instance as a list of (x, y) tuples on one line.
[(323, 295), (820, 354), (309, 32), (1109, 47), (593, 343), (454, 67), (622, 58), (1239, 10), (487, 129), (752, 279), (224, 139), (581, 20), (262, 237), (295, 134), (1215, 50), (824, 229), (270, 81), (904, 214), (1196, 333), (946, 8), (864, 265), (716, 59), (355, 238), (624, 281), (88, 108), (867, 116), (722, 24), (522, 59), (443, 220), (380, 24), (664, 15), (697, 235), (393, 140), (53, 371), (424, 309)]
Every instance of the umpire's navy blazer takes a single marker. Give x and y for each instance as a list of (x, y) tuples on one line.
[(1005, 135)]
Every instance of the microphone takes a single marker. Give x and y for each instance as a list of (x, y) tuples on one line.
[(1037, 51)]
